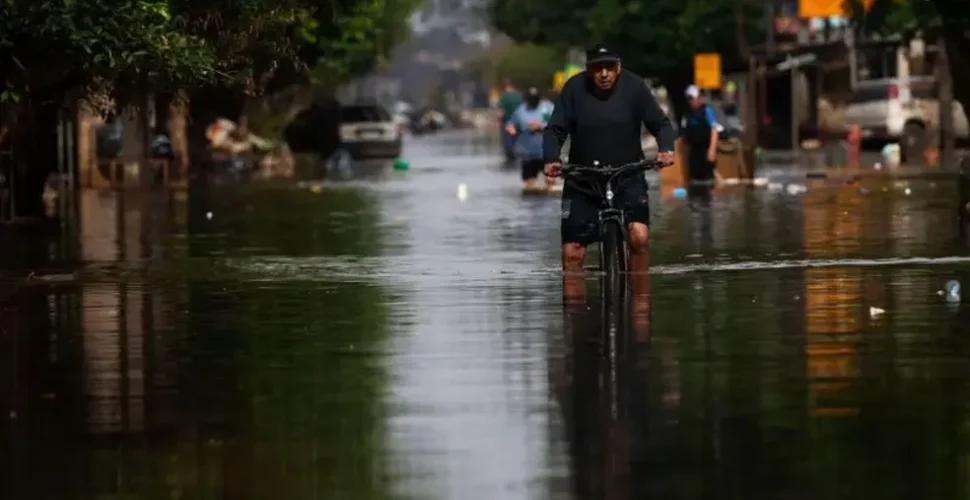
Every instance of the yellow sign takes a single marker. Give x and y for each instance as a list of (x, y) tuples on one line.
[(820, 8), (829, 8), (558, 80), (707, 71)]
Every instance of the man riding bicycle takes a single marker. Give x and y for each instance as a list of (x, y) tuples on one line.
[(602, 111)]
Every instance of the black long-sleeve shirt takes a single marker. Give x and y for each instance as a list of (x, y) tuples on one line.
[(605, 129)]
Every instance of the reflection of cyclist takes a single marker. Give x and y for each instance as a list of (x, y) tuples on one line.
[(602, 111), (527, 123), (605, 403)]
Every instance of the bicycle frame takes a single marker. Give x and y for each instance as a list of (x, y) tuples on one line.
[(609, 213)]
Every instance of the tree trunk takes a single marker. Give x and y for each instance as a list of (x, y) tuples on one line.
[(34, 156), (957, 45), (740, 27), (958, 55), (675, 83), (176, 125)]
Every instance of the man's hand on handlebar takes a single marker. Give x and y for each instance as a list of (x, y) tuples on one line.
[(666, 158), (553, 169)]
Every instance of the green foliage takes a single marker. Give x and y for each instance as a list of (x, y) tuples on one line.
[(655, 38), (357, 38), (888, 17), (130, 45), (45, 43), (565, 24), (525, 64)]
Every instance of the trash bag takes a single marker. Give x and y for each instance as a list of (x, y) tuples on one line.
[(161, 148), (315, 129)]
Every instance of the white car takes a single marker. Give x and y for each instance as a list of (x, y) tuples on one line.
[(899, 109), (369, 131)]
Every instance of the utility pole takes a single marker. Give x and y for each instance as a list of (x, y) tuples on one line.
[(769, 26), (853, 62), (945, 81)]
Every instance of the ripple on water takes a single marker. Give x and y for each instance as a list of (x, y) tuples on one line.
[(518, 264)]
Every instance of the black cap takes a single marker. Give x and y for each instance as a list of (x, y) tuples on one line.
[(601, 53)]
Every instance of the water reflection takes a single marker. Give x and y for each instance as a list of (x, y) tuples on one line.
[(596, 410), (382, 339), (161, 375)]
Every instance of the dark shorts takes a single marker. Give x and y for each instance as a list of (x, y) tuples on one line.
[(508, 144), (580, 211), (531, 168), (698, 168)]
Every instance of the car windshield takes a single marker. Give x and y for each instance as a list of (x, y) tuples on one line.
[(356, 114)]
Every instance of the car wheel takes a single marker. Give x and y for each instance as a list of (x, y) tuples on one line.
[(913, 140)]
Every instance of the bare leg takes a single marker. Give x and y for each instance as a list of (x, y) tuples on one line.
[(550, 183), (573, 277), (639, 243)]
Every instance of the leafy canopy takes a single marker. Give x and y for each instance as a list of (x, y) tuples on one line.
[(655, 37), (104, 45)]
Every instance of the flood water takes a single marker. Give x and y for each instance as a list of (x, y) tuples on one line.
[(382, 339)]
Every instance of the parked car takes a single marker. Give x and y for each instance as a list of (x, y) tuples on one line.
[(369, 131), (899, 110)]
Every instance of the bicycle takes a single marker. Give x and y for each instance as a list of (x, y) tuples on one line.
[(600, 182)]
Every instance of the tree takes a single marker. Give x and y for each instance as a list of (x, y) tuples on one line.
[(656, 38), (526, 64), (534, 21), (358, 39), (52, 53), (954, 25)]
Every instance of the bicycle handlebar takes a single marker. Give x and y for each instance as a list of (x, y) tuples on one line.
[(594, 177), (576, 169)]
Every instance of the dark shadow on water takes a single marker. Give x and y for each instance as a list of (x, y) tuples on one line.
[(349, 169), (162, 375), (772, 385), (605, 389)]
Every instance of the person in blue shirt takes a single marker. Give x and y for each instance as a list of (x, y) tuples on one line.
[(526, 125), (700, 130)]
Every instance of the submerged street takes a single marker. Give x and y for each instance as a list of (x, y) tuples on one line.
[(381, 338)]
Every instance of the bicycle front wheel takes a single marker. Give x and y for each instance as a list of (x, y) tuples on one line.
[(613, 262)]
